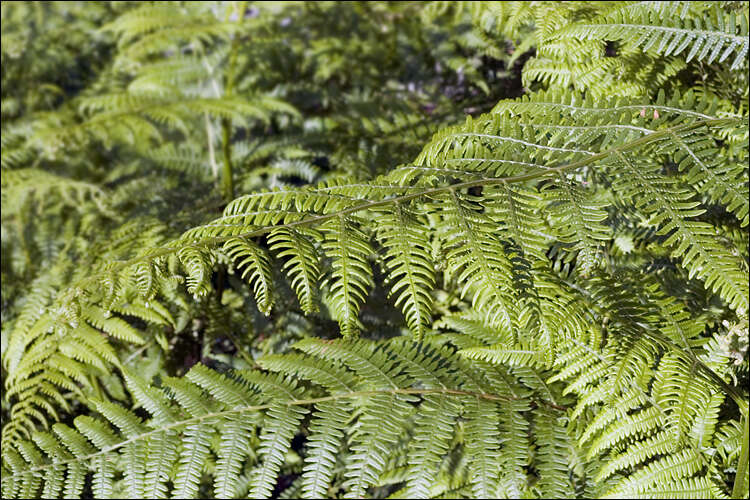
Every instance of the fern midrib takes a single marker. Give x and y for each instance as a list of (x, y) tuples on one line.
[(427, 192), (588, 127), (699, 34), (297, 402), (522, 142), (634, 107)]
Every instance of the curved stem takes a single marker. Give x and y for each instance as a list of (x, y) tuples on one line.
[(742, 464), (227, 180)]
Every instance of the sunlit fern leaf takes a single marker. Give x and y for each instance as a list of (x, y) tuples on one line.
[(256, 269), (637, 453), (235, 435), (102, 436), (192, 456), (696, 156), (301, 262), (79, 447), (682, 391), (507, 354), (226, 390), (434, 429), (374, 365), (671, 208), (189, 397), (135, 453), (515, 448), (153, 400), (351, 278), (53, 480), (515, 209), (279, 427), (471, 324), (553, 450), (332, 376), (162, 452), (476, 258), (483, 446), (114, 326), (198, 266), (381, 425), (643, 421), (681, 465), (691, 487), (578, 218), (409, 265), (326, 436)]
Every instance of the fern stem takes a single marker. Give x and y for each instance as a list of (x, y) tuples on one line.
[(211, 154), (209, 130), (228, 181), (292, 402), (742, 464)]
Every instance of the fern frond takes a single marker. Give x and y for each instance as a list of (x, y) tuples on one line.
[(434, 424), (477, 259), (483, 441), (352, 276), (675, 467), (572, 266), (302, 263), (708, 37), (409, 265), (552, 455), (279, 427), (671, 208), (683, 391), (256, 265), (175, 442), (326, 437)]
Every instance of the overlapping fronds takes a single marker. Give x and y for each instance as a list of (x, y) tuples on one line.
[(545, 298), (356, 389), (544, 146)]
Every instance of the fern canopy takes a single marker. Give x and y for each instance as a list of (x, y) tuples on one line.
[(375, 249)]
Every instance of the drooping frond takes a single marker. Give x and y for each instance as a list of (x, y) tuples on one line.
[(173, 445), (409, 264)]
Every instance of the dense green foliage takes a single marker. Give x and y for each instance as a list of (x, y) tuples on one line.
[(373, 249)]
